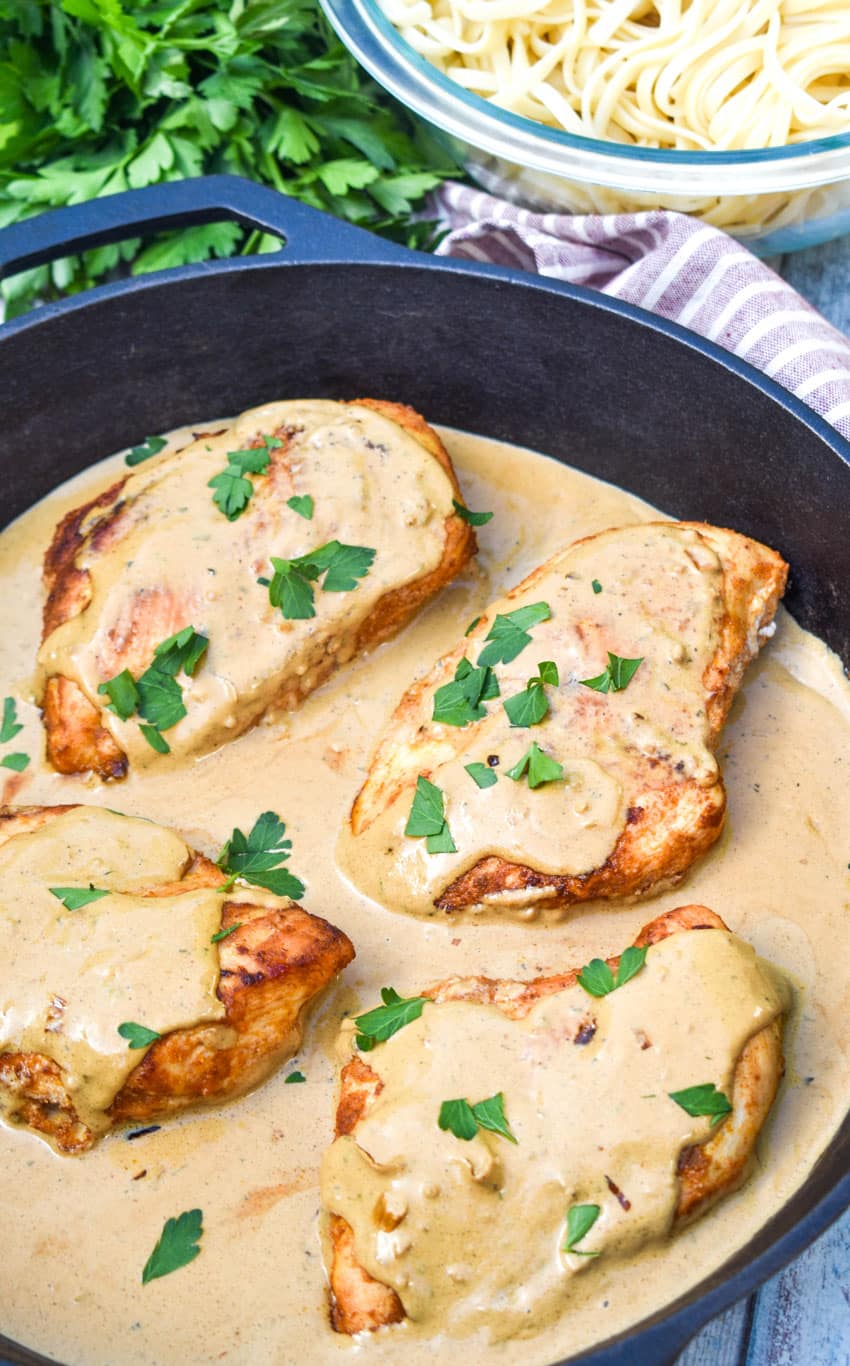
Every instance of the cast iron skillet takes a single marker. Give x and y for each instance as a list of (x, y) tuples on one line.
[(339, 313)]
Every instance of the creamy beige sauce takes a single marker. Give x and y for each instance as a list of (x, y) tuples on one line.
[(77, 1232), (471, 1234), (661, 602), (174, 559), (71, 977)]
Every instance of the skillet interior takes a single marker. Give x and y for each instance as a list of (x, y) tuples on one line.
[(600, 385)]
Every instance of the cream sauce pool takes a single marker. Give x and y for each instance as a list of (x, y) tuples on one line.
[(77, 1232)]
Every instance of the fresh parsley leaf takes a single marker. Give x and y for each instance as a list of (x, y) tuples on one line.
[(580, 1220), (137, 1036), (293, 1077), (378, 1025), (632, 960), (464, 1120), (75, 898), (481, 775), (122, 693), (177, 1245), (472, 625), (10, 726), (155, 739), (598, 979), (233, 489), (17, 762), (427, 817), (528, 708), (703, 1100), (618, 674), (539, 767), (222, 934), (302, 503), (152, 445), (596, 585), (473, 518), (160, 698), (460, 702), (181, 652), (257, 858), (291, 589), (508, 636)]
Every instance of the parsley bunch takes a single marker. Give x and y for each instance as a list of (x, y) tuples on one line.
[(98, 96)]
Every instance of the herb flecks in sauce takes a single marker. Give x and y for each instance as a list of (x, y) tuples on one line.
[(461, 701), (539, 768), (177, 1245), (302, 503), (156, 695), (17, 762), (481, 774), (152, 445), (10, 726), (225, 934), (75, 898), (257, 858), (137, 1035)]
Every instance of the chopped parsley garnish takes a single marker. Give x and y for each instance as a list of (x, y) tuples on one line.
[(122, 693), (427, 817), (291, 589), (222, 934), (10, 726), (473, 518), (137, 1036), (472, 625), (378, 1025), (233, 489), (481, 774), (302, 503), (152, 445), (618, 674), (598, 979), (464, 1120), (17, 762), (537, 766), (257, 858), (293, 1077), (459, 702), (580, 1220), (75, 898), (703, 1100), (529, 707), (177, 1245), (156, 695), (596, 585), (508, 636)]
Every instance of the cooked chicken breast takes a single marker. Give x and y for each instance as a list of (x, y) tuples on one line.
[(182, 542), (610, 672), (269, 960), (705, 1171)]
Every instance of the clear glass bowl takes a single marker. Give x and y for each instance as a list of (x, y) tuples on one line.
[(776, 200)]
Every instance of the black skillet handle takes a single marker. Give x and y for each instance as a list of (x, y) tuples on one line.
[(309, 235)]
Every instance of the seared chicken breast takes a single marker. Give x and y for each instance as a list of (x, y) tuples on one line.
[(145, 912), (564, 750), (290, 540), (699, 1172)]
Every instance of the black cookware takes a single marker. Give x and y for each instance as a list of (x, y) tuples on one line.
[(339, 313)]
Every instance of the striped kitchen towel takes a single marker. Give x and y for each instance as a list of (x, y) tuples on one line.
[(675, 266)]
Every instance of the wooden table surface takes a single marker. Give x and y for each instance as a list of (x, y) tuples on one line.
[(802, 1316)]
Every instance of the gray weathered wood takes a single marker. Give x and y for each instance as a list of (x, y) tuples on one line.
[(722, 1342), (822, 275)]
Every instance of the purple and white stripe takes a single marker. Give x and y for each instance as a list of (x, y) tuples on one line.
[(675, 266)]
